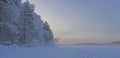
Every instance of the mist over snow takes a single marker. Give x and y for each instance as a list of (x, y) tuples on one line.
[(24, 35)]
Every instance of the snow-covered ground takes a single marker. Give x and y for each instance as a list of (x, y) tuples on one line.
[(61, 52)]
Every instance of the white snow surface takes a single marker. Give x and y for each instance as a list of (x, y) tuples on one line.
[(61, 52)]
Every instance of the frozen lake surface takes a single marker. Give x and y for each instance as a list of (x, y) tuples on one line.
[(61, 52)]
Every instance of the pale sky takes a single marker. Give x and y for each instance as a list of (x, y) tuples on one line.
[(77, 21)]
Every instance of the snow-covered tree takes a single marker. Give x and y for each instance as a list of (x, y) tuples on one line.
[(17, 2), (47, 35), (8, 22), (28, 24), (20, 25)]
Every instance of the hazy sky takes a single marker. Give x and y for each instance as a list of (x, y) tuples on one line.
[(77, 21)]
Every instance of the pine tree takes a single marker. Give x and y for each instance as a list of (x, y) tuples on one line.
[(48, 35), (28, 26)]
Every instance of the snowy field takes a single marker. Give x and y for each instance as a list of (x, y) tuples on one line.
[(61, 52)]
